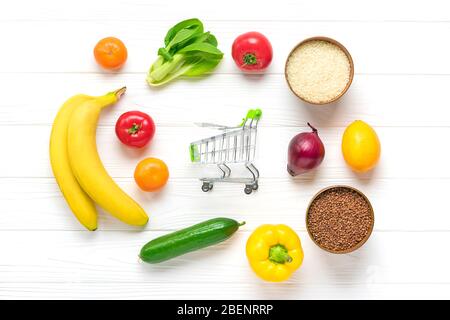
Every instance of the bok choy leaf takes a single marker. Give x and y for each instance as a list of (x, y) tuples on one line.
[(188, 51)]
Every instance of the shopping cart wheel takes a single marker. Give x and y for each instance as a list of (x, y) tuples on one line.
[(255, 186), (207, 186), (248, 189)]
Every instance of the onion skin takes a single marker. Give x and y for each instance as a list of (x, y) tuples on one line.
[(306, 152)]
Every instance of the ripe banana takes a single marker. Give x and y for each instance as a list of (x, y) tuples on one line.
[(80, 203), (88, 168)]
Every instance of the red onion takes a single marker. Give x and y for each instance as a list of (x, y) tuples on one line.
[(306, 152)]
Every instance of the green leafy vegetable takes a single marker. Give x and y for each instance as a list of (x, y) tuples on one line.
[(188, 51)]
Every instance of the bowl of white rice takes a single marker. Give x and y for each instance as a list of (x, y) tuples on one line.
[(319, 70)]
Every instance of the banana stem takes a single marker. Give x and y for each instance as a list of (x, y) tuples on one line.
[(119, 93)]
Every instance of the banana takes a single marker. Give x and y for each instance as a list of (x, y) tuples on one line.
[(88, 168), (79, 202)]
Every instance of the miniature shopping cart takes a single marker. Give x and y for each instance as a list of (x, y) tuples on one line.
[(233, 145)]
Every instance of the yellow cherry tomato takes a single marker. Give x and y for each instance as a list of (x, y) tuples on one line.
[(360, 146), (110, 53), (274, 252), (151, 174)]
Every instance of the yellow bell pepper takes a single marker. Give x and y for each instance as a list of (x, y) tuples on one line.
[(274, 252)]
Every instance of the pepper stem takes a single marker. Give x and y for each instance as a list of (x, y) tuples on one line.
[(313, 129), (134, 128), (279, 254), (250, 59)]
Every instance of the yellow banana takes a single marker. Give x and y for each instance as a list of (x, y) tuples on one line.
[(79, 202), (88, 168)]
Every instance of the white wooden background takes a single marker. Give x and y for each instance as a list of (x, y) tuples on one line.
[(401, 51)]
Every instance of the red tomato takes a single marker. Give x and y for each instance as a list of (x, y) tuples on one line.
[(252, 51), (135, 129)]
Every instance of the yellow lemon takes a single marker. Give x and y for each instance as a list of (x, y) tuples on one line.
[(360, 146)]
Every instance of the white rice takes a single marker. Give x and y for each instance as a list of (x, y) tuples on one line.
[(318, 71)]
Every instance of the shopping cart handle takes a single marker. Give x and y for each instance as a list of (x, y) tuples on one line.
[(254, 114)]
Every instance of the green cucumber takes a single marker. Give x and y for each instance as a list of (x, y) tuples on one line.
[(196, 237)]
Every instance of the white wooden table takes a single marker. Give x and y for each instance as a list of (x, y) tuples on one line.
[(401, 51)]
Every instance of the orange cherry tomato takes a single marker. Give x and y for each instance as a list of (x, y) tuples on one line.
[(110, 53), (151, 174)]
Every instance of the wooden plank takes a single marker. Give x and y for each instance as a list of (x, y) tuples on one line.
[(110, 258), (400, 87), (377, 48), (232, 10), (220, 291), (402, 156), (378, 99), (36, 204)]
